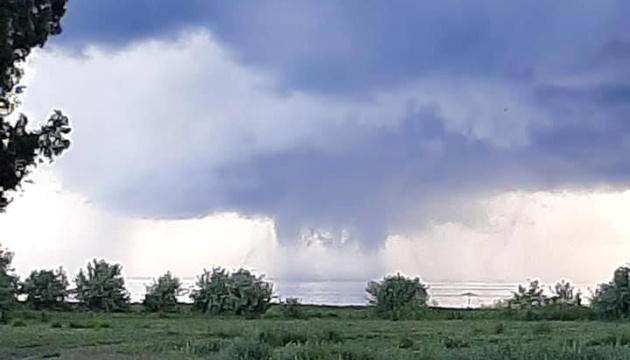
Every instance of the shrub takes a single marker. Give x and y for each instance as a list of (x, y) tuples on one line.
[(162, 294), (248, 349), (291, 308), (238, 293), (105, 325), (528, 296), (564, 312), (393, 293), (56, 325), (8, 286), (499, 328), (612, 300), (45, 289), (102, 287), (564, 293)]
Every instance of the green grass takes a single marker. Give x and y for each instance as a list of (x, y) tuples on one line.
[(346, 336)]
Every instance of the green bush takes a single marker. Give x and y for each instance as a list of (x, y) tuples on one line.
[(564, 312), (46, 289), (102, 287), (612, 300), (8, 286), (291, 308), (237, 293), (499, 328), (162, 294), (19, 323), (391, 295)]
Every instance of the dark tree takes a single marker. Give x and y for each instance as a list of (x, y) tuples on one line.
[(612, 300), (102, 287), (25, 25), (391, 295), (239, 293), (46, 289), (162, 294), (8, 285)]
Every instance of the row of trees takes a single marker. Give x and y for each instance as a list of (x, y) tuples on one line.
[(533, 295), (101, 287), (395, 294)]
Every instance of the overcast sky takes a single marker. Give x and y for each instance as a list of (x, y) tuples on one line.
[(455, 140)]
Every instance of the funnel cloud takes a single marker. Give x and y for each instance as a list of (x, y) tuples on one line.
[(344, 123)]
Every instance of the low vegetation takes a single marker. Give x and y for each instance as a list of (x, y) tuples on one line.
[(102, 287), (46, 289), (162, 294), (95, 316), (220, 292), (393, 294), (137, 334)]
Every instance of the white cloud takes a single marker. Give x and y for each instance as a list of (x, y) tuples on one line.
[(48, 227), (518, 235), (581, 236)]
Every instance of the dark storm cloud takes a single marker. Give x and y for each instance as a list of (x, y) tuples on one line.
[(332, 46), (570, 57)]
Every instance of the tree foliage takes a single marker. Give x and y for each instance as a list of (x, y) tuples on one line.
[(8, 285), (46, 289), (24, 25), (533, 295), (612, 299), (102, 287), (395, 292), (162, 294), (237, 293), (528, 296), (564, 294)]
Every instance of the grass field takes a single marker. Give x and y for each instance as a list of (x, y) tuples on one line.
[(176, 336)]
